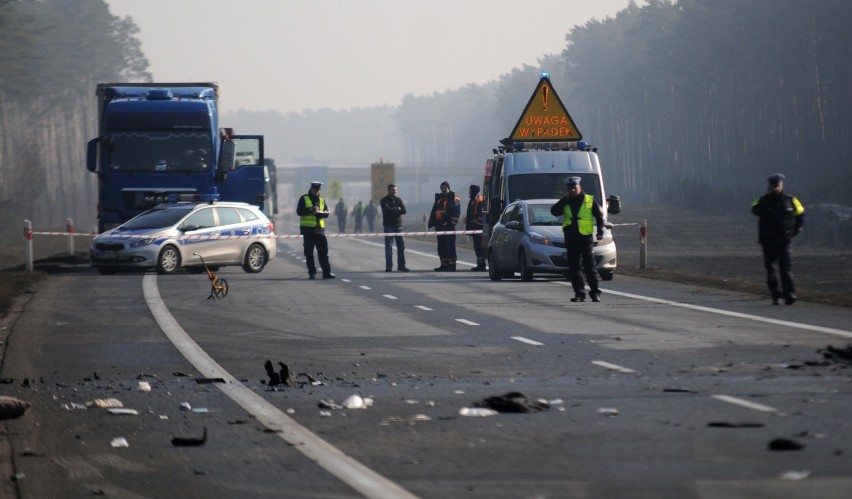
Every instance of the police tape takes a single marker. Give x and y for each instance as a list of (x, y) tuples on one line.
[(267, 236)]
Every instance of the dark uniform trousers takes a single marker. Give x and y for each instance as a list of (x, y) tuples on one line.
[(777, 259), (312, 240), (581, 261)]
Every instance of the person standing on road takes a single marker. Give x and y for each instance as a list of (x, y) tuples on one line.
[(312, 212), (581, 214), (358, 216), (781, 219), (370, 213), (392, 211), (473, 221), (340, 211), (444, 217)]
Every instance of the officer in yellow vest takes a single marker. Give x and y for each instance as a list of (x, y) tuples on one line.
[(781, 219), (581, 215), (312, 212)]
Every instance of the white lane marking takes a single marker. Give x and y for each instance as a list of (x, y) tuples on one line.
[(527, 340), (346, 280), (745, 403), (391, 297), (365, 287), (469, 323), (348, 470), (739, 315), (613, 367), (407, 250), (423, 307)]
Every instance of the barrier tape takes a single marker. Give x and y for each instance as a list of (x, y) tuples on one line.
[(280, 236)]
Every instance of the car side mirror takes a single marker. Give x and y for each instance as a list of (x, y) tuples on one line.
[(613, 204), (92, 154), (227, 157), (514, 225)]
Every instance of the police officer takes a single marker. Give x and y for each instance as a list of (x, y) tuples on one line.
[(473, 221), (444, 217), (581, 213), (781, 219), (312, 212)]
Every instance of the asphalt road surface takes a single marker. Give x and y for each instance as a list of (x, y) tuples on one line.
[(660, 390)]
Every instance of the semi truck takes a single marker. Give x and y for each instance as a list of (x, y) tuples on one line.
[(159, 140), (543, 150)]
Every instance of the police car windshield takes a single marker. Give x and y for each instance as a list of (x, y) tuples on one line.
[(158, 218), (550, 185)]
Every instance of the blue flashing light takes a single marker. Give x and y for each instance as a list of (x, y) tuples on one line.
[(545, 74), (583, 146)]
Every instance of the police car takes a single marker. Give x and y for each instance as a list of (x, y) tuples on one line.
[(168, 236)]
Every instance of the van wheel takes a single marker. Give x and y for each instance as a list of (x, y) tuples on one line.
[(169, 260), (493, 273), (523, 268), (255, 259)]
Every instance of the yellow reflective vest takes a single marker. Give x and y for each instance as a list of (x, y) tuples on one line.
[(585, 217), (310, 220)]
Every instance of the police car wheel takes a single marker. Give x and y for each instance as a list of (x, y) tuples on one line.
[(255, 259), (168, 260)]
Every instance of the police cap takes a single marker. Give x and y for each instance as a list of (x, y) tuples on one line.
[(775, 179), (316, 185), (572, 181)]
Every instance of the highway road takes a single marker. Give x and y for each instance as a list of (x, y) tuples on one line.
[(660, 390)]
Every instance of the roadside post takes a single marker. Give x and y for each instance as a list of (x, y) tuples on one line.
[(69, 228), (28, 245), (643, 245)]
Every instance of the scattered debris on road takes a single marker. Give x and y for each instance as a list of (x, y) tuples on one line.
[(122, 411), (119, 442), (608, 411), (190, 441), (729, 424), (477, 412), (110, 403), (513, 402), (357, 402), (795, 475), (13, 408), (143, 386), (785, 444), (284, 377), (838, 355)]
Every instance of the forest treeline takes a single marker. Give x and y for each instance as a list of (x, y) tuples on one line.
[(52, 54), (690, 102)]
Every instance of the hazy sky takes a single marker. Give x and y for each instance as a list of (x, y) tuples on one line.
[(292, 55)]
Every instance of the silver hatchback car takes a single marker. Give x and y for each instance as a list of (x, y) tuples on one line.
[(170, 235), (528, 239)]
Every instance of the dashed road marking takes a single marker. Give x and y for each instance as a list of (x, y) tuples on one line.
[(391, 297), (346, 280), (365, 287), (469, 323), (423, 307), (527, 341), (613, 367), (745, 403)]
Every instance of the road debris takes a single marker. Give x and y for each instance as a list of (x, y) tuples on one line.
[(729, 424), (119, 442), (357, 402), (123, 411), (513, 402), (74, 406), (284, 377), (785, 444), (184, 406), (109, 403), (13, 408), (417, 418), (143, 386), (477, 412), (839, 355), (190, 441), (678, 390), (207, 381), (608, 411)]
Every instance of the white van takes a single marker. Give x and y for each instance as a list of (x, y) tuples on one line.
[(517, 173)]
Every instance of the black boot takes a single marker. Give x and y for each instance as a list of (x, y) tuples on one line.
[(579, 296)]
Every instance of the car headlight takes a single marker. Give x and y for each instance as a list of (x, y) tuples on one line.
[(539, 239), (141, 242)]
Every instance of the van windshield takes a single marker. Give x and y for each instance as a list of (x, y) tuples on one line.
[(550, 185)]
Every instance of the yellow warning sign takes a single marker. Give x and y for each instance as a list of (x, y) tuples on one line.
[(545, 118)]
